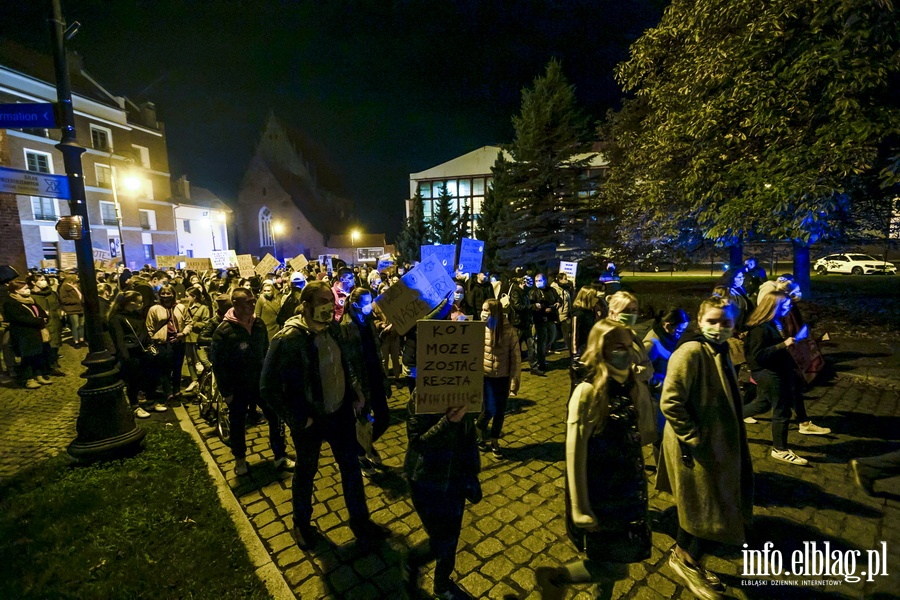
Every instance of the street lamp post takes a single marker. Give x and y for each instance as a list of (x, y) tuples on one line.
[(130, 184), (105, 427), (277, 230), (354, 237)]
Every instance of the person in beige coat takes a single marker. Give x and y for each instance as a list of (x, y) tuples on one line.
[(705, 459), (168, 325), (502, 361)]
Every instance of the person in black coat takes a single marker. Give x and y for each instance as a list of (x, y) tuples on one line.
[(480, 289), (441, 466), (27, 320), (237, 352)]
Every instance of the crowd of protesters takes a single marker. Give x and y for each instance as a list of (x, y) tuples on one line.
[(309, 350)]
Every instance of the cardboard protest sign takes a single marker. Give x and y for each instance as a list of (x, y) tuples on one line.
[(416, 294), (48, 264), (449, 365), (165, 261), (245, 265), (471, 252), (266, 265), (446, 254), (100, 254), (110, 265), (68, 260), (198, 264), (384, 261), (298, 262), (221, 259), (569, 268), (808, 357), (327, 261)]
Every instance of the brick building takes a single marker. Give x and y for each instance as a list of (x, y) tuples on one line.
[(125, 160)]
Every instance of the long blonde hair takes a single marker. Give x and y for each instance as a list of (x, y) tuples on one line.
[(768, 307), (598, 403)]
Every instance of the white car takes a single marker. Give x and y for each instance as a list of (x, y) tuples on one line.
[(855, 264)]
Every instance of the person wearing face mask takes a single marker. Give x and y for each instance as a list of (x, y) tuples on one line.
[(268, 305), (130, 338), (342, 288), (460, 306), (773, 369), (606, 496), (733, 281), (545, 315), (237, 351), (308, 381), (290, 300), (705, 462), (520, 317), (479, 291), (502, 361), (28, 334), (199, 313), (168, 324), (47, 299), (364, 347), (71, 299), (623, 308), (659, 344)]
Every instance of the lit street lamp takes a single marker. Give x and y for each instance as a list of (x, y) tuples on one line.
[(354, 237), (277, 230), (131, 184)]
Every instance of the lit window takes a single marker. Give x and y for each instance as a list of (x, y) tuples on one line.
[(148, 219), (465, 187), (148, 251), (478, 187), (425, 189), (108, 213), (451, 187), (265, 227)]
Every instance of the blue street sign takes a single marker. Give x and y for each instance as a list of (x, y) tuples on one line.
[(30, 183), (27, 114)]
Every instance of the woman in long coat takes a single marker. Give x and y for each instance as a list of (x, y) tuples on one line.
[(28, 335), (705, 459)]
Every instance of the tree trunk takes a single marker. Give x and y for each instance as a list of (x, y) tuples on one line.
[(801, 267)]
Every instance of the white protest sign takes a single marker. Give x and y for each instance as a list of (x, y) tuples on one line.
[(245, 265), (449, 365), (221, 259), (569, 268), (298, 262), (101, 254), (68, 260), (267, 265), (416, 294)]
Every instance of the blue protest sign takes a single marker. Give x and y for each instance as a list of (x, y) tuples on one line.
[(471, 252), (446, 254)]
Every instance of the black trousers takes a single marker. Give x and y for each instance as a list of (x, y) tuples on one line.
[(441, 512)]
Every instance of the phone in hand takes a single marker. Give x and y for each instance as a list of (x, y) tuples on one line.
[(802, 334)]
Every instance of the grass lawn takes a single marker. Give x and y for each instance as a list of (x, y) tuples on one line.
[(147, 527), (846, 304)]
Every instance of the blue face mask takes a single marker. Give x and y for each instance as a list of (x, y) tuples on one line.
[(620, 359)]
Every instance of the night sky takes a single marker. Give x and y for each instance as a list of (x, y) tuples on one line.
[(387, 87)]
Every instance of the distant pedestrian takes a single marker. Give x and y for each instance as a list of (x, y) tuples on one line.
[(72, 301), (199, 313), (130, 340), (48, 299), (28, 335), (502, 361)]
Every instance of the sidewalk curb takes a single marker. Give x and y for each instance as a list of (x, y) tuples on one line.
[(266, 569)]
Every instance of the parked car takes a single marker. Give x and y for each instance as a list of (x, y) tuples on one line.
[(854, 264)]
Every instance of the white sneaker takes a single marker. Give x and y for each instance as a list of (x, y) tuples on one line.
[(374, 457), (285, 463), (43, 380), (240, 466), (140, 413), (160, 407), (789, 457), (199, 367), (805, 428), (32, 384), (191, 387), (750, 421)]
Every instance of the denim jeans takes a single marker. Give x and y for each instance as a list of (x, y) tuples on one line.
[(496, 391), (76, 324)]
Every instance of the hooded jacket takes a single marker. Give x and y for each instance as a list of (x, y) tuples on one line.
[(26, 319), (237, 355), (290, 382)]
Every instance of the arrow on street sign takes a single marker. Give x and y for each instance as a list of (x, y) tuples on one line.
[(27, 114), (30, 183)]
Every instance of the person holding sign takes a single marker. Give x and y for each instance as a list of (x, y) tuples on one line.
[(605, 486), (772, 368), (309, 382), (502, 361)]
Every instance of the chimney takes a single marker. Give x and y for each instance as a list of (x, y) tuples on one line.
[(148, 114)]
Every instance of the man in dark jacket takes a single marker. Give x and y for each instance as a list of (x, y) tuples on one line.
[(545, 312), (520, 312), (291, 300), (308, 381), (480, 289), (237, 352)]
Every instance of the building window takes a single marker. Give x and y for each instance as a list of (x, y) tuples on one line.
[(142, 154), (148, 251), (148, 219), (189, 253), (39, 162), (468, 191), (265, 227), (186, 225), (50, 251), (101, 138), (43, 209), (104, 176), (108, 213)]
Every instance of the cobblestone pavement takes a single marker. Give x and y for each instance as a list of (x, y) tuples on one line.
[(519, 524)]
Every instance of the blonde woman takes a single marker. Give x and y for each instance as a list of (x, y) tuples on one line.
[(624, 309), (606, 491)]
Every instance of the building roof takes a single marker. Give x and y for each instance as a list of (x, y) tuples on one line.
[(364, 240), (476, 162)]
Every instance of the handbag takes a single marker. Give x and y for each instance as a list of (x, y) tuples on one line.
[(628, 544), (150, 350)]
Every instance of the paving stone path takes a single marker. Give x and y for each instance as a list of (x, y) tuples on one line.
[(518, 526)]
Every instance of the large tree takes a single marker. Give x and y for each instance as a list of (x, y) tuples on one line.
[(414, 233), (549, 199), (495, 213), (759, 118), (445, 218)]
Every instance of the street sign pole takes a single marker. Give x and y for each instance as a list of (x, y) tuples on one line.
[(105, 427)]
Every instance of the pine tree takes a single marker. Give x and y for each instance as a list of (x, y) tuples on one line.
[(414, 233), (494, 215), (446, 220), (551, 197)]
